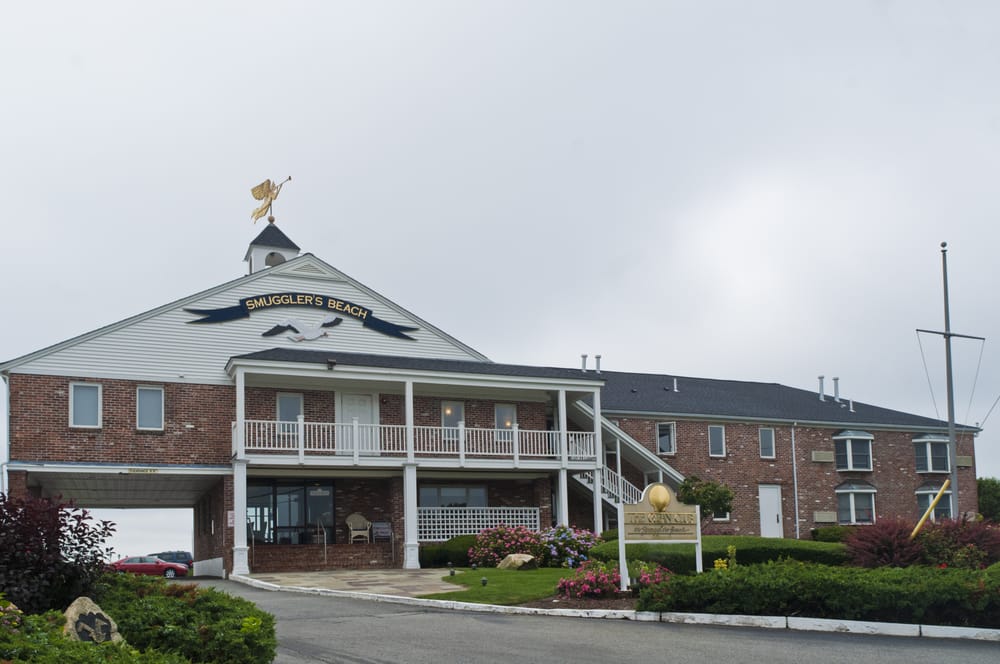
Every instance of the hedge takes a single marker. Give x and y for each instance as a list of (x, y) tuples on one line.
[(454, 551), (200, 624), (919, 595), (679, 558)]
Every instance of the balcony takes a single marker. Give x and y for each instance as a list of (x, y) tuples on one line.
[(354, 443)]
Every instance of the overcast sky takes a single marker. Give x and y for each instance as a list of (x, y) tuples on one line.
[(742, 190)]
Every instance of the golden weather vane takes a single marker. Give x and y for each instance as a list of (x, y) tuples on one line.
[(266, 191)]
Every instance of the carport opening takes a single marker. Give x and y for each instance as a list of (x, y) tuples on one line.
[(140, 532)]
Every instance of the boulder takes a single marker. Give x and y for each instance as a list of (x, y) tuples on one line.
[(518, 561), (85, 621)]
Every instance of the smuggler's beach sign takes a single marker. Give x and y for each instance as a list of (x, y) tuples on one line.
[(330, 305)]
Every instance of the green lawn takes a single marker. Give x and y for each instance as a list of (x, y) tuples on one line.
[(503, 586)]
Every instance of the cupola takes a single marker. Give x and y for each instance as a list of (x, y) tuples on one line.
[(270, 248)]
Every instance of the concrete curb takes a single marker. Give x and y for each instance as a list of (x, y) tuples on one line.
[(763, 622)]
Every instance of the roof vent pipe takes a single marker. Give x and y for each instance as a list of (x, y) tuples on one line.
[(852, 405), (597, 360), (583, 362), (675, 384), (822, 397), (836, 390)]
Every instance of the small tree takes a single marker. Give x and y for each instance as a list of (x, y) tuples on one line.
[(50, 552), (713, 497), (989, 498)]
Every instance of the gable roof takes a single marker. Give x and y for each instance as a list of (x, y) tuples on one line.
[(653, 394), (272, 236)]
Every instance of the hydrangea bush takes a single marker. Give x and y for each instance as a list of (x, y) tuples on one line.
[(561, 546)]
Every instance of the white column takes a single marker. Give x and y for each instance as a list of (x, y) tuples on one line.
[(241, 563), (563, 518), (241, 425), (411, 549), (563, 441), (598, 466), (408, 409)]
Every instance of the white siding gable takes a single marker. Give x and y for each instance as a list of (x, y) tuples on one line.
[(164, 345)]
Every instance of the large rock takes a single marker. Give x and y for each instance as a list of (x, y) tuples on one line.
[(85, 621), (518, 561)]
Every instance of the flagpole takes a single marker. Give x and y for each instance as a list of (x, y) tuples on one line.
[(952, 445)]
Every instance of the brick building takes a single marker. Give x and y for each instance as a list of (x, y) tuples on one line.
[(278, 404)]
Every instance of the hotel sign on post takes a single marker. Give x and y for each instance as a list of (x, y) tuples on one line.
[(657, 518)]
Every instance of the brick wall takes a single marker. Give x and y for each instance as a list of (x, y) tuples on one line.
[(742, 469), (196, 423)]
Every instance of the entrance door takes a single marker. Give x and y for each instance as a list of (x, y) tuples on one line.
[(769, 496), (359, 406)]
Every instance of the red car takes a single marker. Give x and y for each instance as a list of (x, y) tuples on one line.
[(149, 565)]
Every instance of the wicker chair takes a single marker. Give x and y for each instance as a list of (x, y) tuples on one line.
[(359, 528)]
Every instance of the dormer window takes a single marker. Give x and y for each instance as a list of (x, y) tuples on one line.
[(853, 450)]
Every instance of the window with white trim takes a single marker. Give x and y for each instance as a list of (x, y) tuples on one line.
[(452, 412), (716, 440), (925, 496), (932, 454), (666, 437), (855, 503), (720, 516), (149, 408), (289, 406), (449, 495), (853, 450), (85, 405), (504, 419), (766, 435)]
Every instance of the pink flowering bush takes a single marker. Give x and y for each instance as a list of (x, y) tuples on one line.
[(596, 579), (565, 546), (494, 544)]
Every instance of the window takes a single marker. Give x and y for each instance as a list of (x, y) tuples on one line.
[(855, 503), (932, 454), (149, 408), (720, 516), (925, 496), (853, 450), (505, 417), (289, 409), (766, 443), (665, 439), (290, 512), (452, 412), (85, 405), (452, 496), (717, 440)]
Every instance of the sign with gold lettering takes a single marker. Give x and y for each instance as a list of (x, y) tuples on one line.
[(325, 303), (658, 517)]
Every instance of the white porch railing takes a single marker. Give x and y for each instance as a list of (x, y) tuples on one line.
[(436, 524), (356, 439), (609, 486)]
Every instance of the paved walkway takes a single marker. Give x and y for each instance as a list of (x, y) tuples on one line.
[(397, 582)]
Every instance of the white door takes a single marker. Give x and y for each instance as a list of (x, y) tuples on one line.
[(769, 496), (365, 437)]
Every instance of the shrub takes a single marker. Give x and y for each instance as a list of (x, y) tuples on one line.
[(886, 542), (610, 535), (454, 551), (988, 489), (566, 547), (680, 558), (832, 533), (711, 496), (960, 543), (494, 544), (39, 638), (592, 579), (202, 624), (911, 595), (50, 552)]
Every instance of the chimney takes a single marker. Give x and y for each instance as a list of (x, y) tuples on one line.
[(822, 397), (583, 362), (836, 389), (597, 359)]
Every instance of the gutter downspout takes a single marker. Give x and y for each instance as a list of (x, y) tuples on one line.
[(795, 483), (5, 453)]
